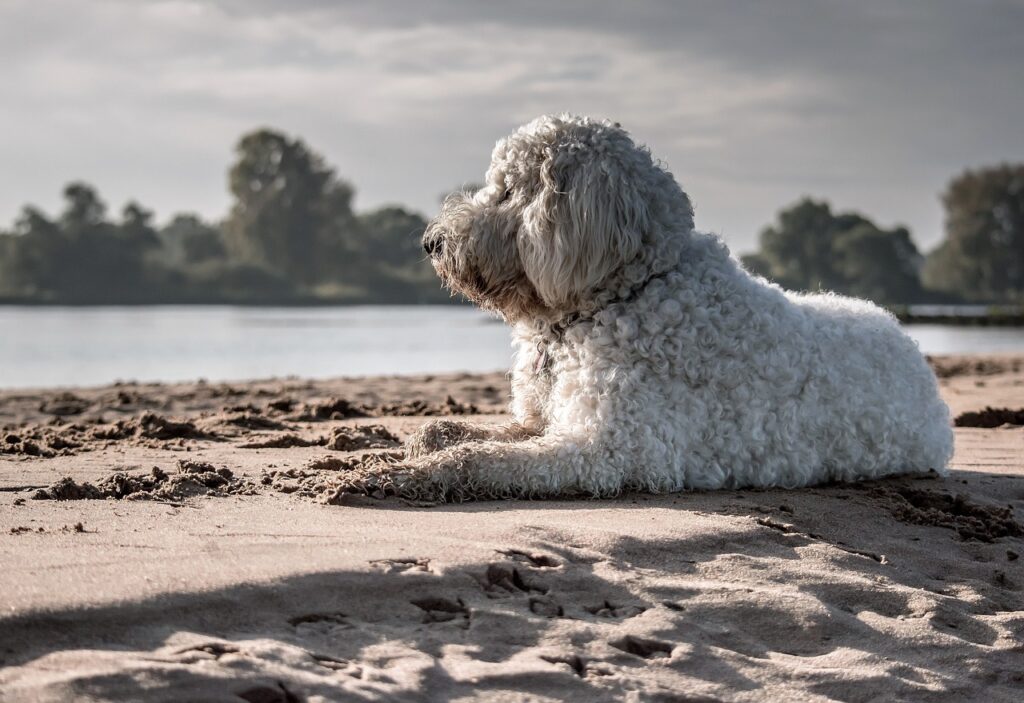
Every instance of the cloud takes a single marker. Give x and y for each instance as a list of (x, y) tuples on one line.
[(874, 105)]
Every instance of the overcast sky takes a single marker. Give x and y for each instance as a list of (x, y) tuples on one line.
[(872, 104)]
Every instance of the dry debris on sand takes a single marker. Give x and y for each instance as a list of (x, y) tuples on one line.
[(193, 478), (975, 366), (318, 478), (954, 511), (150, 426), (347, 439), (990, 417)]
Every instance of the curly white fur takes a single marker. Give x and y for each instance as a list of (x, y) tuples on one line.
[(646, 356)]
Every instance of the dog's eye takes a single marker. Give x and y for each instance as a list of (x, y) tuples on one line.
[(505, 196)]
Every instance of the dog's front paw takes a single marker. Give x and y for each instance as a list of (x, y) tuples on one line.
[(437, 435)]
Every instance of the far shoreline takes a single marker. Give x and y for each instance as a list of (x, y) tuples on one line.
[(914, 314)]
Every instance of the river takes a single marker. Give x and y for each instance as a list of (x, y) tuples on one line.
[(66, 346)]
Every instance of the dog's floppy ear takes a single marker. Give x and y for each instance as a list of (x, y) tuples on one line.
[(587, 221)]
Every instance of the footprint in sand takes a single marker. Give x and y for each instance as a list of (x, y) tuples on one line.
[(537, 561), (607, 609), (436, 609), (268, 693), (642, 647), (502, 580), (314, 618), (573, 661), (962, 626), (546, 607), (401, 565), (208, 651)]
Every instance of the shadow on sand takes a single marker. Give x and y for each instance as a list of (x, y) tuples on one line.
[(775, 592)]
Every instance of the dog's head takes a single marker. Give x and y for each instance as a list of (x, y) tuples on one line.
[(571, 208)]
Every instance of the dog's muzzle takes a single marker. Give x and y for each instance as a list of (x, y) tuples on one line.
[(433, 245), (433, 241)]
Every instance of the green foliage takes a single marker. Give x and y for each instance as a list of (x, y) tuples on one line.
[(291, 214), (880, 265), (291, 236), (10, 275), (187, 240), (32, 262), (394, 235), (392, 241), (982, 257), (811, 248)]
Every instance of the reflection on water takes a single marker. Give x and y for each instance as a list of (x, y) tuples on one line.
[(48, 346)]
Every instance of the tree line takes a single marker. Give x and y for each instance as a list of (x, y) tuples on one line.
[(980, 260), (292, 236)]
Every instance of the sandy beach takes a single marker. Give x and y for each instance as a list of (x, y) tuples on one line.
[(183, 543)]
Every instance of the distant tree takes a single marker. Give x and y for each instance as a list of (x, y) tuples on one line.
[(188, 240), (104, 261), (757, 263), (290, 211), (392, 238), (880, 265), (33, 222), (291, 235), (224, 280), (33, 268), (797, 251), (136, 227), (83, 208), (982, 256), (395, 235), (9, 285), (811, 248), (82, 257)]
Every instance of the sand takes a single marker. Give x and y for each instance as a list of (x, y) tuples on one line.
[(197, 560)]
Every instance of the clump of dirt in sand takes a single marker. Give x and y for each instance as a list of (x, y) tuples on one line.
[(990, 417), (126, 399), (285, 441), (43, 441), (342, 439), (67, 489), (52, 439), (150, 426), (282, 405), (192, 478), (967, 366), (246, 420), (450, 406), (347, 439), (342, 409), (13, 443), (64, 404), (333, 409), (319, 477), (970, 520)]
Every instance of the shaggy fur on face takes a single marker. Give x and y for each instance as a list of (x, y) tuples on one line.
[(646, 356)]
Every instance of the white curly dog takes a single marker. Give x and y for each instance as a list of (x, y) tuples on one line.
[(647, 358)]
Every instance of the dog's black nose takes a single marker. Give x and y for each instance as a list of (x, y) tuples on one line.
[(433, 245)]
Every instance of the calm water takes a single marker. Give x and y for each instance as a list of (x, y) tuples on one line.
[(87, 346)]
